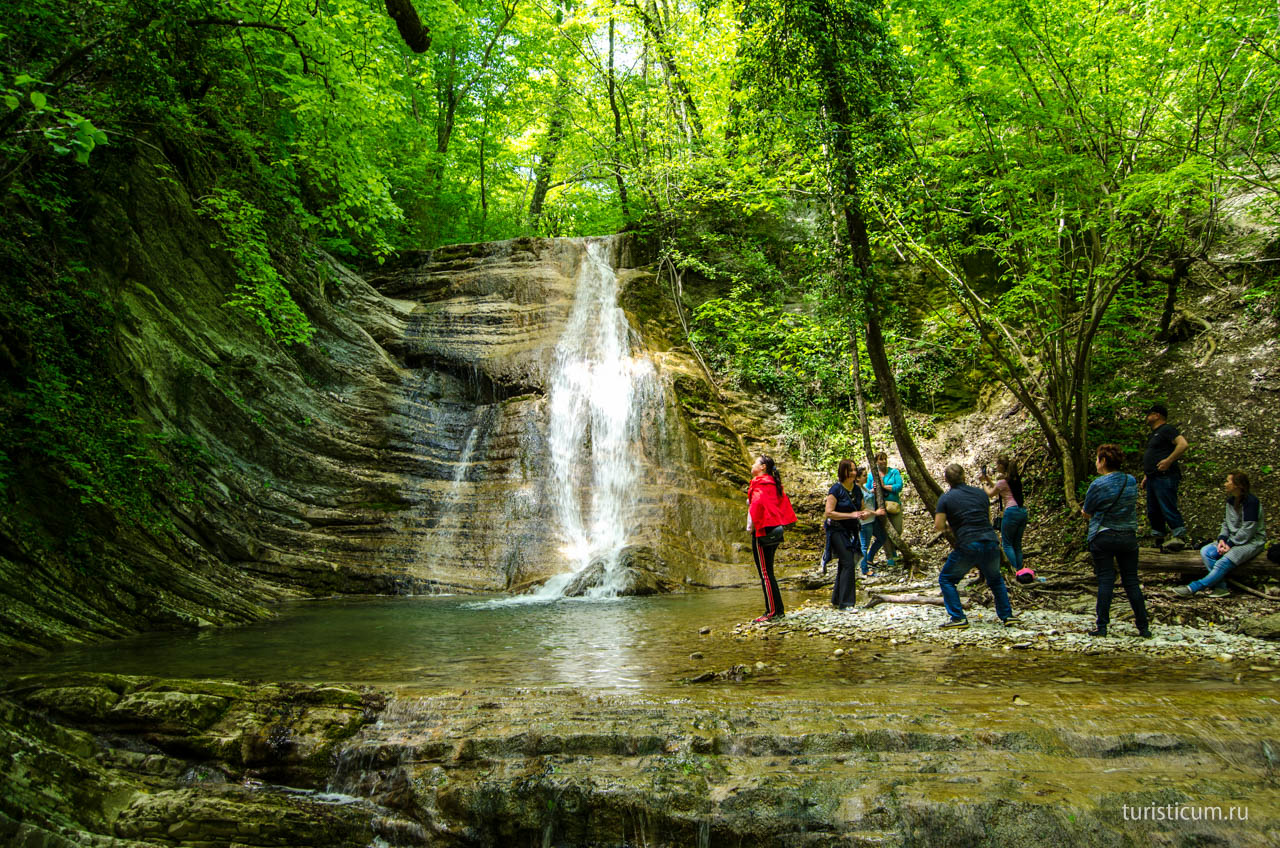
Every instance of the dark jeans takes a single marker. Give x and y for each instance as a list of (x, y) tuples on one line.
[(1162, 507), (1113, 550), (1012, 525), (986, 556), (763, 555), (844, 549)]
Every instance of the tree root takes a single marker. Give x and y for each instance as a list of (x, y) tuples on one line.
[(1212, 346), (877, 599), (1243, 588)]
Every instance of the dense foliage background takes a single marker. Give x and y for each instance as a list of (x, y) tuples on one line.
[(1029, 181)]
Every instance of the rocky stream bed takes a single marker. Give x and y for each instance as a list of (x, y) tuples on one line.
[(823, 728)]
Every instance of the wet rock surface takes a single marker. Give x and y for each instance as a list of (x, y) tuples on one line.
[(886, 765), (115, 760), (643, 572)]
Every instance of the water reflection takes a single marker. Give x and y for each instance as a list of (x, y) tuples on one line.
[(624, 644), (598, 650)]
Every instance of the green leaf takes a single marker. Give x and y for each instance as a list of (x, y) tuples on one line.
[(11, 101), (24, 79), (38, 99)]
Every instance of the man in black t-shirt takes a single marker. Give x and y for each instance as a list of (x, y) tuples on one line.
[(964, 508), (1161, 475)]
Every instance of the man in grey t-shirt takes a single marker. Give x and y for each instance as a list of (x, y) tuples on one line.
[(965, 510)]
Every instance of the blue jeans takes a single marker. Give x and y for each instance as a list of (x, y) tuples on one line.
[(986, 556), (1162, 507), (872, 540), (1216, 564), (1012, 524)]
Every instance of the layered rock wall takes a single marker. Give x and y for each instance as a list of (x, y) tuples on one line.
[(403, 450)]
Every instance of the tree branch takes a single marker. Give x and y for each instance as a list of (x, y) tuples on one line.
[(239, 24)]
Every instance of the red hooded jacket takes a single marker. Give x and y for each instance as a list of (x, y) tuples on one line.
[(765, 507)]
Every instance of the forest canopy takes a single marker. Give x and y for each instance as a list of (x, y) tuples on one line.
[(1006, 189)]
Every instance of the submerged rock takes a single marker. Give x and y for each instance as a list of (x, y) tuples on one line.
[(639, 571), (886, 766)]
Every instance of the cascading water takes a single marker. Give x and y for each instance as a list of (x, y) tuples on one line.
[(598, 392)]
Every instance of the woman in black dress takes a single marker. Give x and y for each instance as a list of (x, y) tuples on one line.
[(844, 513)]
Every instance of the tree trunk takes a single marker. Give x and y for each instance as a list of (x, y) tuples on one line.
[(446, 114), (1172, 280), (837, 109), (550, 149), (688, 111), (417, 36), (484, 193), (912, 461), (617, 122), (907, 554)]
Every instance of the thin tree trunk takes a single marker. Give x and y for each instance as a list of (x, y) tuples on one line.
[(617, 122), (837, 109), (912, 461), (905, 551), (484, 195), (550, 150), (687, 109)]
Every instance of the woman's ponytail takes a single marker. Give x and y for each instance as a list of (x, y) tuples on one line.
[(771, 468)]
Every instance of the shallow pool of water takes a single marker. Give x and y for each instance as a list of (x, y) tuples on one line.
[(628, 644)]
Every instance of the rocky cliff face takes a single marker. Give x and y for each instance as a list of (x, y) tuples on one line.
[(470, 429), (404, 450)]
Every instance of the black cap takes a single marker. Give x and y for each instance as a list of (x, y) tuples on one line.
[(1159, 409)]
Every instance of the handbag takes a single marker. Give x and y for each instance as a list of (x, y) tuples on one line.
[(892, 507), (772, 536)]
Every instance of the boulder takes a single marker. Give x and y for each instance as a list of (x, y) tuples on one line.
[(640, 571), (1262, 627)]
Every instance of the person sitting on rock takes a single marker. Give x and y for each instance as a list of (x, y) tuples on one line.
[(1242, 537), (965, 509)]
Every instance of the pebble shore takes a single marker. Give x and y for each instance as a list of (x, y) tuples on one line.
[(1038, 630)]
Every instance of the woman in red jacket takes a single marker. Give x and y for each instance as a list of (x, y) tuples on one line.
[(768, 509)]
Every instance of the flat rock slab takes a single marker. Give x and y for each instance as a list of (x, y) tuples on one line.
[(727, 762)]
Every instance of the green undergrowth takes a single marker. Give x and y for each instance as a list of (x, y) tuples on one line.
[(63, 414)]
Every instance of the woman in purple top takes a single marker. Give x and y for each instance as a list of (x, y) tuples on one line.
[(1013, 517)]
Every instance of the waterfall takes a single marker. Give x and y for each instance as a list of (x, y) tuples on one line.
[(597, 393), (464, 462)]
